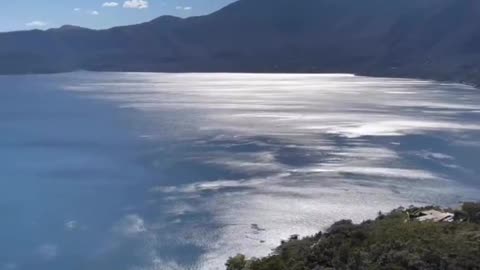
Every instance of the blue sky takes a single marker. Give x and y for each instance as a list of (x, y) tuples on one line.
[(42, 14)]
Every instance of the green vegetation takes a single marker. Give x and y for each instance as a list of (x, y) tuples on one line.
[(392, 241)]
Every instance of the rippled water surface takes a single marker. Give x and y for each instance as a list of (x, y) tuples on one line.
[(179, 171)]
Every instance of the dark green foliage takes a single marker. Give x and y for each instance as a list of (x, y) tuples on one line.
[(392, 241), (237, 263), (472, 211)]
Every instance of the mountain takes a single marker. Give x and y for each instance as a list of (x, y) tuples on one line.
[(437, 39)]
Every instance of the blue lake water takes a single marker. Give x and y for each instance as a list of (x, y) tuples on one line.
[(138, 171)]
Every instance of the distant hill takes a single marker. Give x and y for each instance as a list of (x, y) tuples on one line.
[(437, 39)]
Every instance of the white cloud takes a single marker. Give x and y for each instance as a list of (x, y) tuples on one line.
[(36, 24), (94, 12), (110, 4), (183, 8), (138, 4), (77, 9)]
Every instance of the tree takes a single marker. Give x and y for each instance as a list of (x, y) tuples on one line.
[(238, 262)]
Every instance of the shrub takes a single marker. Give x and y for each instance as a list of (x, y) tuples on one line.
[(472, 211), (238, 262)]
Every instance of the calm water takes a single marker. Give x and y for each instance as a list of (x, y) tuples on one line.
[(179, 171)]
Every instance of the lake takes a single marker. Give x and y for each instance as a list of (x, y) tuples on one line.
[(142, 171)]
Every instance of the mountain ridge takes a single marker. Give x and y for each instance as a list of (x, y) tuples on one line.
[(433, 39)]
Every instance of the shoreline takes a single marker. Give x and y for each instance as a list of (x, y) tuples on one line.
[(470, 83)]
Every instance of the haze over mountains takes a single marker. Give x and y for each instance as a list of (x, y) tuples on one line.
[(437, 39)]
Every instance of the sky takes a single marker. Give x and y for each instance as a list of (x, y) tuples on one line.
[(96, 14)]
